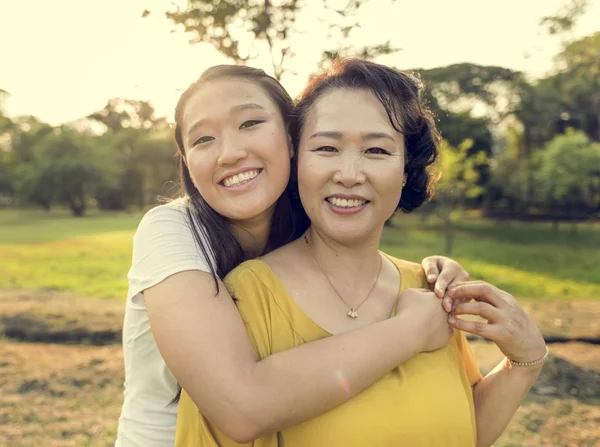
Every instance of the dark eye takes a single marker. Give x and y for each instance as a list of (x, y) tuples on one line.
[(203, 140), (377, 151), (250, 123), (325, 149)]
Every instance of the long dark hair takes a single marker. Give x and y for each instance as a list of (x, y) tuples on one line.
[(211, 231), (400, 95)]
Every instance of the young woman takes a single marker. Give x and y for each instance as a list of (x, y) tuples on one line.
[(232, 132), (364, 143)]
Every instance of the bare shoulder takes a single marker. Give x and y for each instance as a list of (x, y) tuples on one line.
[(284, 257), (412, 273)]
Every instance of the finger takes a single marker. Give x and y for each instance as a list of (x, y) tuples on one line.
[(477, 290), (484, 330), (483, 310), (441, 284), (431, 269), (451, 272), (457, 301), (447, 304)]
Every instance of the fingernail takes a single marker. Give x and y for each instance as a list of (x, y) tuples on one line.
[(451, 319), (431, 276)]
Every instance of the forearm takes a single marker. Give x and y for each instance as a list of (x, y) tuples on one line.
[(295, 385), (498, 396)]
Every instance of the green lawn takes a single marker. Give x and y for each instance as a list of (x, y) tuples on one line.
[(91, 255)]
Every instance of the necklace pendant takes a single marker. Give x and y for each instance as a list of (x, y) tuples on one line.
[(352, 313)]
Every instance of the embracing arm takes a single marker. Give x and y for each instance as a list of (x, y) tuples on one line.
[(204, 342)]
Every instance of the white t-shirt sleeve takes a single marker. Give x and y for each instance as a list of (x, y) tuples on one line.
[(162, 246)]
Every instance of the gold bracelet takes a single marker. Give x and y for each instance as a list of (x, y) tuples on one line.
[(532, 363)]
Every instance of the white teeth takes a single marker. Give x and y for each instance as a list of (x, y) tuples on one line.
[(239, 179), (345, 203)]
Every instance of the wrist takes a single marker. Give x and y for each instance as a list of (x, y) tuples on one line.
[(410, 333), (536, 362)]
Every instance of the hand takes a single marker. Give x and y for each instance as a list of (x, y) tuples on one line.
[(507, 323), (432, 320), (443, 271)]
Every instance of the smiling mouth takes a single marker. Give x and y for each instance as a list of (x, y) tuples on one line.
[(241, 178), (346, 203)]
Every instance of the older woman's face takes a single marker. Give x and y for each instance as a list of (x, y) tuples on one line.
[(350, 165)]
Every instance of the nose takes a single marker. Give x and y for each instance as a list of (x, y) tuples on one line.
[(350, 172), (232, 151)]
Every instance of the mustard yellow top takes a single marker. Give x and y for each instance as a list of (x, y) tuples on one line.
[(427, 401)]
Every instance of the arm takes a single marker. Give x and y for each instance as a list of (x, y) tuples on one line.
[(498, 396), (203, 340)]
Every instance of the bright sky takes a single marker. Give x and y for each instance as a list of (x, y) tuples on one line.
[(63, 59)]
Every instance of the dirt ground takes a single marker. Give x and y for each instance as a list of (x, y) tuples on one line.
[(68, 393)]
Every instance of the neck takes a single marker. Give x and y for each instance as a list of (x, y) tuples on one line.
[(253, 234), (357, 260)]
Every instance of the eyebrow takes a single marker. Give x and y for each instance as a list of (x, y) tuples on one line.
[(247, 106), (365, 136), (238, 108)]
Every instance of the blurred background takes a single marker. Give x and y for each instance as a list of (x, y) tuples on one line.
[(87, 92)]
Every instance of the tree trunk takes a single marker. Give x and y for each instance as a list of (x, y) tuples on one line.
[(77, 207), (555, 225), (448, 232)]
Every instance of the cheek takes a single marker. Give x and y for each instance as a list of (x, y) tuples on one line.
[(201, 168), (389, 185)]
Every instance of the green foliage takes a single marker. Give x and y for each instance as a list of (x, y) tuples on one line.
[(223, 23), (120, 114), (477, 90), (569, 98), (458, 178), (226, 23), (566, 18), (457, 183), (568, 176), (64, 166)]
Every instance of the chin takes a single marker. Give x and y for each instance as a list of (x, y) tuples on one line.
[(348, 236)]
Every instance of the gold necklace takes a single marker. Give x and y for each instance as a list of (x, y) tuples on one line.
[(352, 312)]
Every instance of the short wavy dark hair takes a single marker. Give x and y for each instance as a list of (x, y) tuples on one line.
[(401, 96)]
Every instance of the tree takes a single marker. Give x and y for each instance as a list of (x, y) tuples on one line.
[(27, 186), (456, 184), (488, 92), (568, 177), (142, 145), (64, 166), (579, 79), (565, 19), (119, 114), (470, 102), (6, 127), (225, 24)]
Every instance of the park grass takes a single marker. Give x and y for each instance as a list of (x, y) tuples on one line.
[(90, 256)]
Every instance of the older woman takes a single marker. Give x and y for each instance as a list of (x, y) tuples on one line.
[(363, 142)]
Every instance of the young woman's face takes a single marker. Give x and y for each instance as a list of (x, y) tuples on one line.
[(350, 165), (237, 148)]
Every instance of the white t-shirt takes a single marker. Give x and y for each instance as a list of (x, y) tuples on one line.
[(162, 246)]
